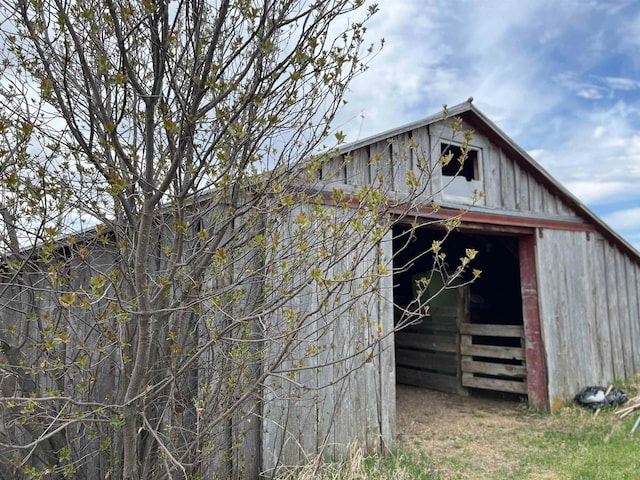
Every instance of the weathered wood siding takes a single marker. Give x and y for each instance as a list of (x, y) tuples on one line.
[(507, 186), (589, 307), (342, 394), (336, 388), (31, 314)]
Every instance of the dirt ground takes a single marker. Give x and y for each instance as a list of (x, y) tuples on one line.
[(474, 437)]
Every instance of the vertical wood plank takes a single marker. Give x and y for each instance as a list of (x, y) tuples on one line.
[(273, 411), (616, 329), (572, 335), (623, 314), (246, 422), (342, 409), (367, 377), (550, 314), (535, 196), (358, 168), (462, 316), (428, 166), (372, 365), (561, 207), (372, 403), (598, 294), (549, 203), (579, 331), (424, 163), (334, 171), (380, 162), (632, 312), (635, 297), (521, 189), (326, 401), (305, 399), (507, 184), (387, 368), (282, 414), (401, 162), (587, 324), (491, 175)]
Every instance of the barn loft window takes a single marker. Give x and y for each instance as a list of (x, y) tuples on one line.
[(462, 183), (468, 170)]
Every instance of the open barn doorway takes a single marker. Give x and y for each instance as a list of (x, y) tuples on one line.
[(472, 336)]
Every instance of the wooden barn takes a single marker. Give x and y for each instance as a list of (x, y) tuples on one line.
[(557, 306)]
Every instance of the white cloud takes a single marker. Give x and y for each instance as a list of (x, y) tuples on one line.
[(601, 145), (626, 223), (593, 192), (595, 87), (630, 32), (590, 93), (443, 51), (618, 83), (624, 220), (437, 52)]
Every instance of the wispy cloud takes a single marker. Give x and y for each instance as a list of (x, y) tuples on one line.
[(590, 93), (595, 87), (624, 84)]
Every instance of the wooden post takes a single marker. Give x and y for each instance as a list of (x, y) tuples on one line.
[(462, 316), (534, 347)]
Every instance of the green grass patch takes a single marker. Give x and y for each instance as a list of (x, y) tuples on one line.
[(572, 444), (576, 445)]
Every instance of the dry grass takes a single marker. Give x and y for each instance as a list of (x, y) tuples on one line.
[(442, 437), (492, 437), (467, 437), (404, 465)]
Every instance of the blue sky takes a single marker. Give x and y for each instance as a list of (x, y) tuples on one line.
[(561, 78)]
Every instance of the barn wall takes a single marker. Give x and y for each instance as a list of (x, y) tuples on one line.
[(342, 389), (589, 308), (507, 186), (344, 392), (345, 395), (31, 314)]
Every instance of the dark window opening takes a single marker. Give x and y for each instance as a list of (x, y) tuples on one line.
[(468, 169)]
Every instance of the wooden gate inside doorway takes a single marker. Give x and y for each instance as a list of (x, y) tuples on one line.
[(472, 336), (445, 352)]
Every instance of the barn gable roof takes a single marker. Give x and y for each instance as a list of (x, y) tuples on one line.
[(482, 124)]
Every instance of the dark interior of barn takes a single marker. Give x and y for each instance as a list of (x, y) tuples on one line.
[(471, 338)]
